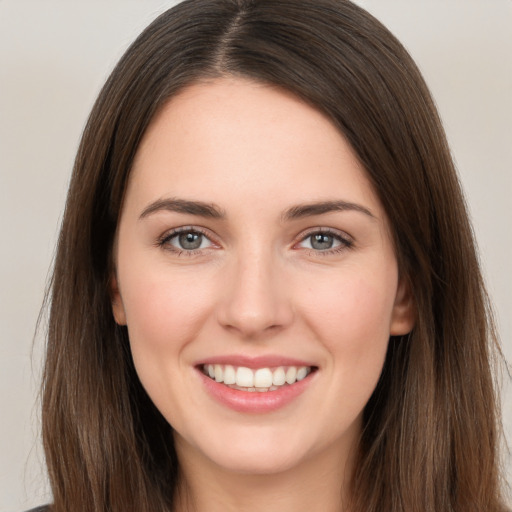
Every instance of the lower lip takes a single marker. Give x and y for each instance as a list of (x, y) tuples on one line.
[(255, 401)]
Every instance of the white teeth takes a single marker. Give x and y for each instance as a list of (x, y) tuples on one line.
[(219, 377), (291, 375), (244, 377), (229, 375), (262, 379), (302, 373), (278, 377)]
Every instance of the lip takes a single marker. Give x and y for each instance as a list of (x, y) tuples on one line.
[(255, 402)]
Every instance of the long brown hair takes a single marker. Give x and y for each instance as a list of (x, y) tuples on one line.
[(430, 439)]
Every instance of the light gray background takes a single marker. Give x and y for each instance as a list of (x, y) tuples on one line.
[(54, 57)]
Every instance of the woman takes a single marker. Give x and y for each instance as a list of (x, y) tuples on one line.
[(266, 293)]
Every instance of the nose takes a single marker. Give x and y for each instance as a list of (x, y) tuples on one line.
[(255, 297)]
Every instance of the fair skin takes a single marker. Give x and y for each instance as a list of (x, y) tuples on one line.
[(255, 279)]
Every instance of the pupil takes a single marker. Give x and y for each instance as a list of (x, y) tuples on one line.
[(190, 240), (321, 241)]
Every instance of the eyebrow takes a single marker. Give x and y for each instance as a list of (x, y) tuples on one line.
[(199, 208), (311, 209), (212, 211)]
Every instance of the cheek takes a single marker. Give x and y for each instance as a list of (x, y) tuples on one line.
[(353, 324), (353, 306), (163, 315), (351, 315)]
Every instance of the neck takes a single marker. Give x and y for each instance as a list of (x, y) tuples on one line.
[(317, 485)]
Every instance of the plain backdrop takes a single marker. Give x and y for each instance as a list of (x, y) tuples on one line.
[(54, 57)]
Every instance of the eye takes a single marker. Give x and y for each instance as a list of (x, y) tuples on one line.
[(325, 241), (185, 240)]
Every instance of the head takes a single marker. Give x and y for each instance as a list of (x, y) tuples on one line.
[(335, 58)]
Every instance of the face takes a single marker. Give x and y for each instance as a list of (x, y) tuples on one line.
[(257, 278)]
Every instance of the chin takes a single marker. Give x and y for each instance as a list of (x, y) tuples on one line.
[(255, 451), (253, 462)]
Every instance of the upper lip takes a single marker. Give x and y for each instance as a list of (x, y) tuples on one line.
[(264, 361)]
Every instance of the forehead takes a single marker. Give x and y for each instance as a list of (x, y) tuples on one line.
[(235, 138)]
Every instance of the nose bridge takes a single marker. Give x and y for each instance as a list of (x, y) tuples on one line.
[(255, 299)]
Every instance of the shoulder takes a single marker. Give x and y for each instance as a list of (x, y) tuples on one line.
[(45, 508)]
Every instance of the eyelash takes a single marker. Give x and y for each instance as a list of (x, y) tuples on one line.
[(344, 241), (164, 241)]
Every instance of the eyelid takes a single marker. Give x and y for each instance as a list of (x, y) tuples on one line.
[(346, 241), (162, 240)]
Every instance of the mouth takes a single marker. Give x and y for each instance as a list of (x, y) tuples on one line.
[(254, 380)]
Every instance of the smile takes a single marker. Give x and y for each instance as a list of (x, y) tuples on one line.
[(256, 380), (256, 385)]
